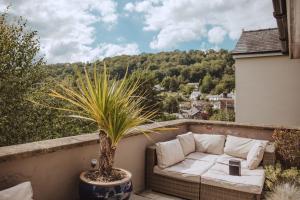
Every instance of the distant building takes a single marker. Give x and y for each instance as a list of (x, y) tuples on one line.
[(159, 88), (192, 113), (185, 105), (195, 95)]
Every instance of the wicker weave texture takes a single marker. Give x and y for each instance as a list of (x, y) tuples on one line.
[(175, 187), (209, 192)]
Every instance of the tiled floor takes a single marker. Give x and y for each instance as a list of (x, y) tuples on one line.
[(148, 195)]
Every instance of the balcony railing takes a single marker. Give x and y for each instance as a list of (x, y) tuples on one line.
[(53, 166)]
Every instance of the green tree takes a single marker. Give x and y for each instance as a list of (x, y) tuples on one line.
[(23, 77), (171, 104), (223, 115), (151, 100), (207, 84)]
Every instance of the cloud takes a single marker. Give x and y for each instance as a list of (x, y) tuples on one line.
[(177, 21), (216, 35), (108, 50), (66, 28)]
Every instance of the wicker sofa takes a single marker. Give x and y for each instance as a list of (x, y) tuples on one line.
[(201, 189)]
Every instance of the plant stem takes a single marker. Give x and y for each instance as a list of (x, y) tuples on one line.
[(107, 154)]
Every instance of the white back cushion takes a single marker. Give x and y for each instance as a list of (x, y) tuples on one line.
[(187, 142), (22, 191), (209, 143), (255, 155), (169, 153), (239, 146)]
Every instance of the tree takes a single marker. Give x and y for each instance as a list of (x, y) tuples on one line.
[(20, 72), (24, 77), (223, 115), (186, 89), (185, 73), (112, 105), (207, 84), (174, 84), (147, 79), (171, 104)]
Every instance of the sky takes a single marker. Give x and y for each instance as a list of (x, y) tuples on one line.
[(86, 30)]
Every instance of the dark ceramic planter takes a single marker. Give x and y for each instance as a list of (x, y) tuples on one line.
[(117, 190)]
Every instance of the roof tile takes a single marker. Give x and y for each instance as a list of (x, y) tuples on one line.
[(258, 41)]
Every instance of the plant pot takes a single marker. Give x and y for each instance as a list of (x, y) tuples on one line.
[(94, 190)]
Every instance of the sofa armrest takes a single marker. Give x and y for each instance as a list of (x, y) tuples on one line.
[(151, 161), (269, 155)]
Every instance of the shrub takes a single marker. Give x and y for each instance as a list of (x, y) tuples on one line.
[(275, 175), (284, 191), (288, 146)]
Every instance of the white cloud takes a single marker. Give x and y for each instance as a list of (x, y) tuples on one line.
[(108, 50), (179, 21), (216, 35), (66, 28)]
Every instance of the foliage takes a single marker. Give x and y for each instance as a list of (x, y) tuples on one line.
[(23, 77), (288, 146), (223, 115), (285, 191), (186, 89), (170, 83), (109, 103), (276, 175), (151, 100), (170, 104), (166, 117), (207, 84), (180, 66)]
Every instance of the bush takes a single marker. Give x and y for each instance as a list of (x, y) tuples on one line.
[(223, 115), (275, 175), (284, 191), (288, 146)]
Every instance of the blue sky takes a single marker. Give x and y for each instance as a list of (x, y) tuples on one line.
[(76, 30)]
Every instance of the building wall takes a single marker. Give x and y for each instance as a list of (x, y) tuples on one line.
[(268, 90)]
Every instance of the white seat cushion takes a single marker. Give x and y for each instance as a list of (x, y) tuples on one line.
[(22, 191), (187, 142), (210, 143), (203, 157), (239, 146), (255, 155), (224, 159), (169, 153), (250, 181), (188, 170)]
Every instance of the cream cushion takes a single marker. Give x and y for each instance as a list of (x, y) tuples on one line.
[(203, 157), (239, 147), (224, 159), (209, 143), (255, 155), (169, 153), (250, 181), (23, 191), (187, 142), (187, 170)]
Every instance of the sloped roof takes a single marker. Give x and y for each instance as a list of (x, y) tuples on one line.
[(258, 41)]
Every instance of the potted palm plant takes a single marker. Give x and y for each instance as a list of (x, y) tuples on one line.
[(117, 111)]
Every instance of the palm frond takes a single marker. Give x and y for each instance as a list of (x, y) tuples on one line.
[(112, 104)]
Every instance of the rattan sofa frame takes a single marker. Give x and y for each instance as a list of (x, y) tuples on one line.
[(191, 190)]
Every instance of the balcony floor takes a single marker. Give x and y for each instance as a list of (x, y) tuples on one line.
[(147, 195)]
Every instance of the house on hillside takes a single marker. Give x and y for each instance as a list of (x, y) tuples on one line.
[(195, 95), (267, 70)]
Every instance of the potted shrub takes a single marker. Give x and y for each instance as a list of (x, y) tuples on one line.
[(116, 110)]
